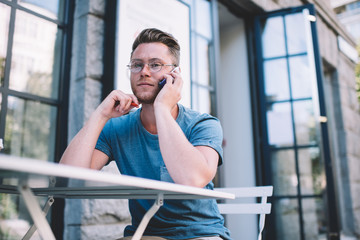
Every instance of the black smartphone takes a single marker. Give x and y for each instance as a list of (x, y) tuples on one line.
[(162, 82)]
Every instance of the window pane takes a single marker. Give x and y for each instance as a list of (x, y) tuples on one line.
[(287, 219), (295, 33), (203, 18), (4, 33), (314, 215), (305, 128), (33, 68), (201, 100), (202, 56), (276, 80), (280, 128), (30, 129), (312, 175), (301, 84), (49, 8), (284, 172), (273, 39)]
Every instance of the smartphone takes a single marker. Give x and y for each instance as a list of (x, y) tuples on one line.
[(162, 82)]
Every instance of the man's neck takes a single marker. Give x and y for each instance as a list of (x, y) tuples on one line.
[(148, 119)]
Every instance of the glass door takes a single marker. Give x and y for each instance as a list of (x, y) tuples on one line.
[(295, 151)]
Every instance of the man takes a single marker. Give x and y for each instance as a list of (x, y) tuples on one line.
[(163, 141)]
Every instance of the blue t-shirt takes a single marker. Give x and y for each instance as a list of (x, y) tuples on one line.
[(137, 153)]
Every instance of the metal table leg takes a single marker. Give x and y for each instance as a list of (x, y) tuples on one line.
[(45, 210), (35, 212), (149, 214)]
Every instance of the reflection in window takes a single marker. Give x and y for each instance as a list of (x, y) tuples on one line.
[(48, 8), (273, 40), (4, 32), (202, 38), (203, 18), (201, 99), (315, 219), (276, 80), (30, 129), (33, 56), (280, 128), (295, 33), (202, 52), (287, 219), (305, 128), (301, 81), (312, 175), (284, 172)]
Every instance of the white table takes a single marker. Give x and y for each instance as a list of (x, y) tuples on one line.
[(31, 178)]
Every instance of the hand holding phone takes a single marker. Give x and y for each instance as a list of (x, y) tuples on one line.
[(162, 82)]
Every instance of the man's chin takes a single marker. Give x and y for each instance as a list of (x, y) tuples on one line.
[(146, 100)]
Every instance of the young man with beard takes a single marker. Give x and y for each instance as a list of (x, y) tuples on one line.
[(162, 140)]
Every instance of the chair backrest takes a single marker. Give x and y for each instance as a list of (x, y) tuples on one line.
[(262, 208)]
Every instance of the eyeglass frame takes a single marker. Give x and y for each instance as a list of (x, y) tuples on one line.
[(148, 64)]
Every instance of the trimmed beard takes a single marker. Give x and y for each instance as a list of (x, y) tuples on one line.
[(147, 99)]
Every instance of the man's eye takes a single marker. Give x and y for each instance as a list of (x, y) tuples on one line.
[(137, 65), (155, 65)]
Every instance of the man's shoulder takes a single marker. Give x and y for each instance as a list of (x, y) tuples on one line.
[(191, 119), (193, 115)]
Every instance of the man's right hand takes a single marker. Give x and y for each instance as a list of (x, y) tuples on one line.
[(117, 104)]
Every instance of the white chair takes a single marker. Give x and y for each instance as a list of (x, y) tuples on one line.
[(261, 208)]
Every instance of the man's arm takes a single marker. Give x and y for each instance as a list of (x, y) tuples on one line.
[(188, 165), (81, 151)]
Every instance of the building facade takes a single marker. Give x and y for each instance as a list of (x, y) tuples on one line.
[(279, 74)]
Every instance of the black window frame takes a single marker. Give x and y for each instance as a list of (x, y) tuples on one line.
[(62, 101), (263, 160)]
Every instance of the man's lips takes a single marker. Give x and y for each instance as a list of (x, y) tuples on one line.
[(145, 84)]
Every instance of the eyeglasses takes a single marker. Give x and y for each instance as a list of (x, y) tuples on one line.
[(154, 67)]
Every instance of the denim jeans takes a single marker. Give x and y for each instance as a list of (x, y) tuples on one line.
[(160, 238)]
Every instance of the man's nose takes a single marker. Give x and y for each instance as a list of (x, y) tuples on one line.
[(145, 70)]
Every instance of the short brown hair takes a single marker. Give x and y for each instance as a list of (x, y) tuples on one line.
[(151, 35)]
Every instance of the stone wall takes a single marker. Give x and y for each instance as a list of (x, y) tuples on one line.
[(346, 121), (90, 219)]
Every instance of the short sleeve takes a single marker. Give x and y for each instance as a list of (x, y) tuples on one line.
[(104, 141), (208, 132)]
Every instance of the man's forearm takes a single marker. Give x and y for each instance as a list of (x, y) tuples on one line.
[(80, 150), (186, 164)]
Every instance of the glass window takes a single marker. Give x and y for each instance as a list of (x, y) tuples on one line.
[(315, 219), (202, 89), (48, 8), (295, 33), (301, 81), (201, 99), (276, 80), (203, 18), (33, 56), (312, 175), (30, 129), (4, 33), (287, 219), (202, 53), (292, 147), (31, 44), (280, 128), (273, 32), (305, 126), (284, 172)]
